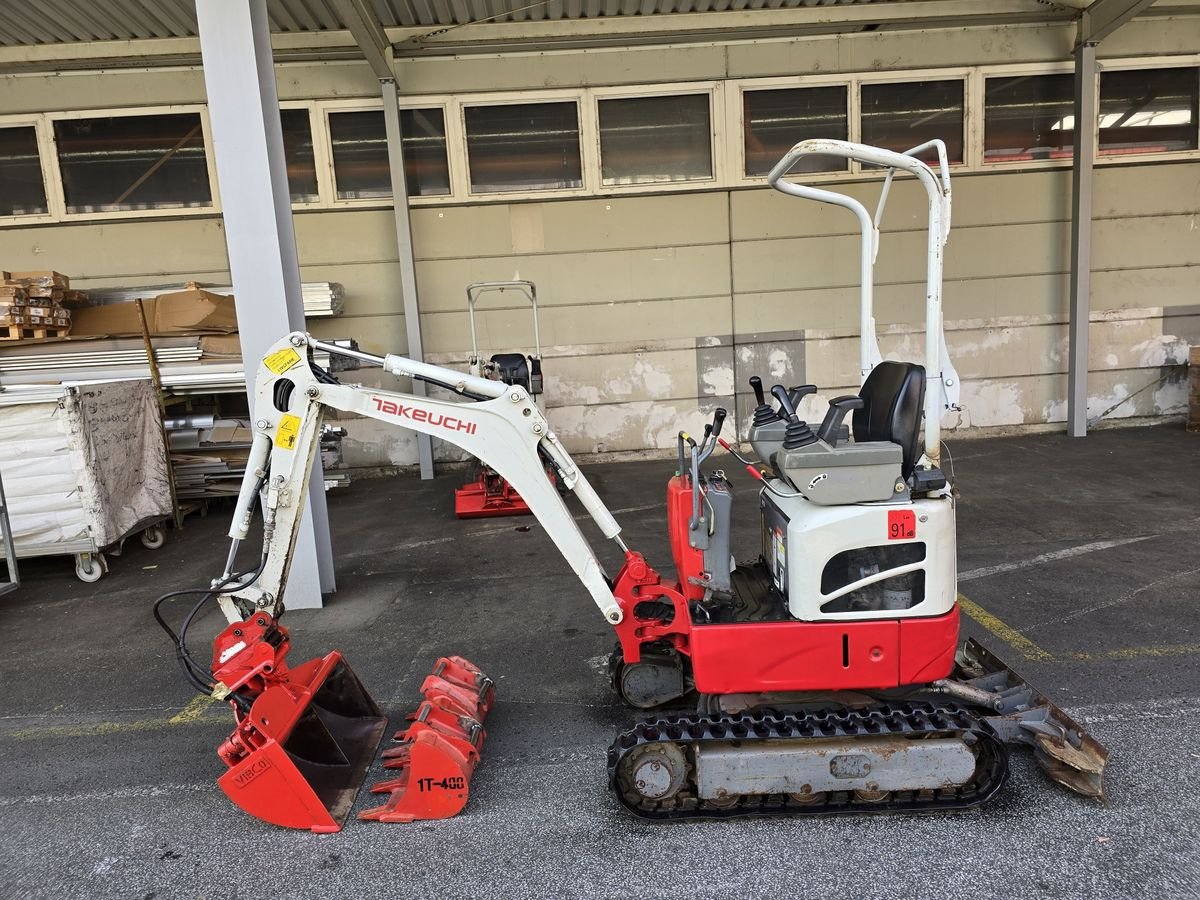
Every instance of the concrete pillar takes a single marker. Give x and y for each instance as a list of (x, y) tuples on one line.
[(239, 75)]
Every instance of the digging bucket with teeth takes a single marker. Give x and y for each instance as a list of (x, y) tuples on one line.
[(302, 749), (437, 753)]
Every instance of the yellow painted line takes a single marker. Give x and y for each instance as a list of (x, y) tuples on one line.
[(192, 714), (193, 711), (82, 731), (1032, 651), (1126, 653), (1006, 633)]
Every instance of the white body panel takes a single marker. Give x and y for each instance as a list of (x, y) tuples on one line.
[(815, 534)]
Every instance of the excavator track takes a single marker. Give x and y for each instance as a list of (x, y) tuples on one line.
[(679, 738)]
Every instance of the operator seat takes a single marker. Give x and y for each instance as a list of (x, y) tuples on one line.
[(893, 398), (513, 368)]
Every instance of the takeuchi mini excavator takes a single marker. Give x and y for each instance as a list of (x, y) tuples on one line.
[(817, 673)]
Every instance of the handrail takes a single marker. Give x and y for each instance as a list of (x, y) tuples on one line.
[(528, 288), (939, 371)]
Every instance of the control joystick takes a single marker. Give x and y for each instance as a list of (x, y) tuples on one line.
[(763, 413), (798, 433)]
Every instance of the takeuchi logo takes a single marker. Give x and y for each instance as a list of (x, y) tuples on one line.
[(451, 423)]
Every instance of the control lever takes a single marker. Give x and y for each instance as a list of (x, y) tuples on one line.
[(799, 393), (719, 420), (798, 433), (780, 393), (763, 413), (831, 427)]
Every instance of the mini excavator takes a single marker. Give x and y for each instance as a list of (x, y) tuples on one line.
[(821, 676)]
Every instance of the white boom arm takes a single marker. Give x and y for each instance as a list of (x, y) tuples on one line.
[(504, 429)]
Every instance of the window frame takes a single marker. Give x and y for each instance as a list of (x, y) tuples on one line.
[(589, 144), (715, 92), (962, 74), (51, 184), (1132, 64), (321, 150), (210, 163), (1011, 71), (735, 117), (726, 111), (323, 109)]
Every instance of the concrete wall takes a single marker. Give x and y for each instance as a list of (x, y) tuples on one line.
[(657, 308)]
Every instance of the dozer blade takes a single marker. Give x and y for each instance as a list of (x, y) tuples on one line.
[(299, 756), (1023, 714), (437, 754)]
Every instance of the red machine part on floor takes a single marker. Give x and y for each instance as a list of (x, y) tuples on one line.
[(439, 751), (488, 495), (306, 736)]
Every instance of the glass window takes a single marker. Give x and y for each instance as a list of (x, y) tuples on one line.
[(22, 192), (133, 162), (900, 116), (775, 120), (426, 171), (1028, 117), (645, 140), (360, 156), (298, 154), (523, 147), (1148, 110)]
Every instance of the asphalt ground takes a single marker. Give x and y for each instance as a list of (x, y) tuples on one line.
[(1078, 559)]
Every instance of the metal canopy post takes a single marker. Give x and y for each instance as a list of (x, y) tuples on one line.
[(1081, 237), (239, 76), (408, 272)]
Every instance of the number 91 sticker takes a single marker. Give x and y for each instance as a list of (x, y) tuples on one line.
[(902, 524)]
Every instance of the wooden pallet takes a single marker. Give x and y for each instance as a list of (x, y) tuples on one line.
[(25, 332)]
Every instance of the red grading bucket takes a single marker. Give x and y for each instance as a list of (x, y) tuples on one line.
[(299, 756), (437, 754)]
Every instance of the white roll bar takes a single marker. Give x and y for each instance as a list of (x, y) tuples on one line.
[(527, 288), (942, 389)]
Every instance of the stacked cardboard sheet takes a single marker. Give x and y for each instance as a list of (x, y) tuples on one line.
[(321, 298)]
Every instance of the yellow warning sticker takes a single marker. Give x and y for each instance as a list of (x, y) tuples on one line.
[(281, 360), (288, 430)]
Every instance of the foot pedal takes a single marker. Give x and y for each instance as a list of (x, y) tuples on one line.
[(437, 754)]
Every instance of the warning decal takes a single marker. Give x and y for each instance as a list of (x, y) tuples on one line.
[(285, 434), (902, 524), (281, 360)]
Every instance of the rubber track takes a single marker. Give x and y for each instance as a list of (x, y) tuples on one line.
[(913, 720)]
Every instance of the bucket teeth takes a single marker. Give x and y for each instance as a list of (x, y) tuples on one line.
[(438, 752)]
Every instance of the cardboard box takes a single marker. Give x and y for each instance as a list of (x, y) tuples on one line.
[(41, 278), (183, 312), (113, 319), (194, 311)]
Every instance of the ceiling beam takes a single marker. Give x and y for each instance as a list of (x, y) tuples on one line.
[(1102, 17), (360, 20)]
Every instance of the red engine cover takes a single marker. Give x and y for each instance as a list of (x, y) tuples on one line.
[(822, 656), (689, 562)]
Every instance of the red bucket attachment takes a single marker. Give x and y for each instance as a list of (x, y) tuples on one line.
[(299, 756), (437, 754)]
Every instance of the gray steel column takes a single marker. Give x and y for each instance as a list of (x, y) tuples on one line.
[(408, 271), (239, 76), (1081, 237)]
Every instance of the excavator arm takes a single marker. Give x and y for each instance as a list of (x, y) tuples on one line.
[(503, 428)]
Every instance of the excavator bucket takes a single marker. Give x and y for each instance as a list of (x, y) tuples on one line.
[(1024, 715), (437, 754), (299, 756)]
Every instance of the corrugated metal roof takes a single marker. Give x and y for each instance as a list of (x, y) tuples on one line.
[(69, 21)]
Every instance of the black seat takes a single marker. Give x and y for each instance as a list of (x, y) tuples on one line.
[(513, 368), (893, 397)]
